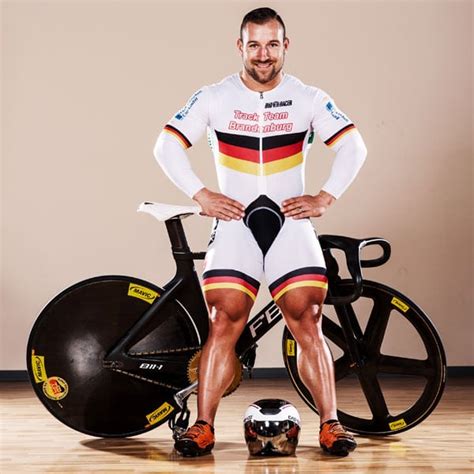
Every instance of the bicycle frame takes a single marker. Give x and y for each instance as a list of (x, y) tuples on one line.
[(185, 286)]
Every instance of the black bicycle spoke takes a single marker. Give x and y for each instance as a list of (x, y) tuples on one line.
[(350, 314), (342, 367), (374, 395), (334, 333), (370, 363), (377, 325), (405, 366)]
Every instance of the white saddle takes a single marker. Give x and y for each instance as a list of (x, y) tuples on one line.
[(163, 212)]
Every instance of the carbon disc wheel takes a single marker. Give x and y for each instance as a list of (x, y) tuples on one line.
[(403, 370), (77, 329)]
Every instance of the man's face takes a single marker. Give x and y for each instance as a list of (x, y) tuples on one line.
[(263, 48)]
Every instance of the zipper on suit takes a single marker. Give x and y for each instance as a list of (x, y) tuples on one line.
[(262, 188)]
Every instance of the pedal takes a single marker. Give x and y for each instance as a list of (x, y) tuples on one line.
[(180, 422)]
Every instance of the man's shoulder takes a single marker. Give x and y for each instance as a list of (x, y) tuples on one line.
[(298, 84), (225, 83)]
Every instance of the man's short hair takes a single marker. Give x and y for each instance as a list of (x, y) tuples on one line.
[(261, 16)]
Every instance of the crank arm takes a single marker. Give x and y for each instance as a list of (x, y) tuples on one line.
[(180, 396)]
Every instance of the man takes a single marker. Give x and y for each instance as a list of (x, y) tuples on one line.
[(260, 125)]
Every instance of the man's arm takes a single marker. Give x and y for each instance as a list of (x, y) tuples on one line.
[(184, 129), (338, 132), (171, 156)]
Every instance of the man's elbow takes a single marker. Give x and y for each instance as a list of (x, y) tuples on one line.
[(359, 150), (159, 148)]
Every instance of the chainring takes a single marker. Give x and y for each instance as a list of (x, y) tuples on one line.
[(193, 366)]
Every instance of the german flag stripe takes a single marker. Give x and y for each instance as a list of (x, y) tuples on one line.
[(282, 152), (232, 280), (238, 164), (233, 274), (249, 167), (239, 152), (253, 156), (298, 272), (338, 135), (180, 136), (284, 164), (253, 143), (228, 279), (229, 286), (297, 279), (279, 153), (239, 140), (299, 284), (283, 140)]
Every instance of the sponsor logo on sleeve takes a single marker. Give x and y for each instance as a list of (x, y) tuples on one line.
[(185, 110), (335, 113)]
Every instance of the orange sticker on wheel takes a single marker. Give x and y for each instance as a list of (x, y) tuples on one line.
[(55, 388)]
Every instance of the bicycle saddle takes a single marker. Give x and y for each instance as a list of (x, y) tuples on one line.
[(163, 212)]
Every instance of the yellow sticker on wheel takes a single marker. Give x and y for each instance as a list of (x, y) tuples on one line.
[(38, 368), (290, 347), (160, 413), (397, 425), (400, 304), (55, 388), (142, 293)]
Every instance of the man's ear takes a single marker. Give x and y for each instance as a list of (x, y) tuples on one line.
[(240, 45)]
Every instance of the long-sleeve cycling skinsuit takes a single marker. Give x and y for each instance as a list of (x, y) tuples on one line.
[(260, 143)]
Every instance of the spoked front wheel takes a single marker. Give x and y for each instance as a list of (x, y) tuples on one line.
[(402, 373)]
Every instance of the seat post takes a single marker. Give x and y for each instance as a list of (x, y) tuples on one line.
[(175, 229)]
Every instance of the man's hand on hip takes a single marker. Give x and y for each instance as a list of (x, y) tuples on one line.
[(307, 206), (217, 205)]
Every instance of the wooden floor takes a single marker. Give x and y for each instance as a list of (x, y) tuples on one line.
[(33, 441)]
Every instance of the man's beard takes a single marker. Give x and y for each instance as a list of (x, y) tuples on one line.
[(268, 75)]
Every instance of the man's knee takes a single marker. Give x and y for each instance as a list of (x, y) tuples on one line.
[(299, 303)]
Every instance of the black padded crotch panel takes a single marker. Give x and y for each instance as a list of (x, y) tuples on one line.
[(264, 219)]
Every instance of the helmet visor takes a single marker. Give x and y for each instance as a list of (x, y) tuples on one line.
[(264, 438)]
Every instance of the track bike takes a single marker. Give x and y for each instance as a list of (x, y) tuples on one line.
[(116, 356)]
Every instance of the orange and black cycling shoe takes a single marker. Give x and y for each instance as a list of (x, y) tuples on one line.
[(198, 440), (334, 439)]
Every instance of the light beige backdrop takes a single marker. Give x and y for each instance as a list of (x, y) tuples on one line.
[(87, 86)]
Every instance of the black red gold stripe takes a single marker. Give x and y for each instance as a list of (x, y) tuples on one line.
[(307, 276), (177, 134), (338, 135), (243, 141), (230, 279), (242, 153)]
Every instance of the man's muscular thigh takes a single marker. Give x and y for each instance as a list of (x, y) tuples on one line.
[(229, 304)]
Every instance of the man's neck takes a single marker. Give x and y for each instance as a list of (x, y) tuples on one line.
[(256, 86)]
